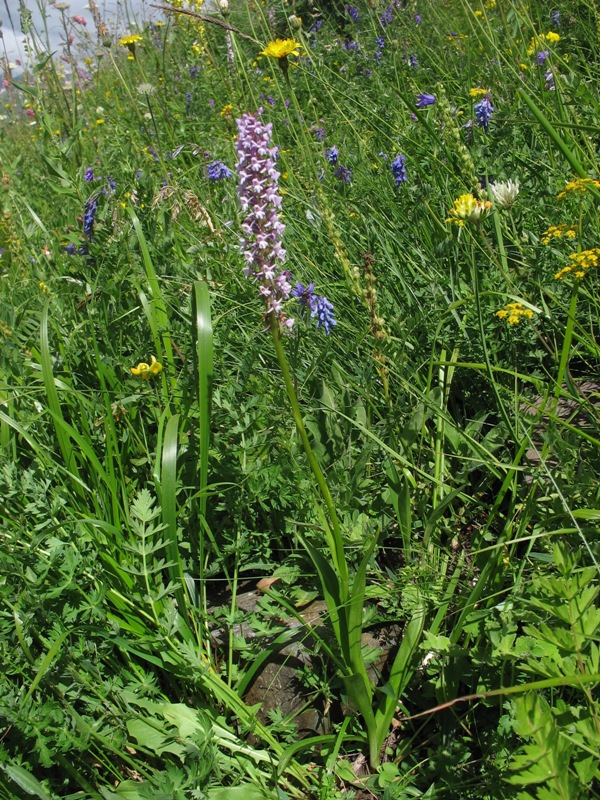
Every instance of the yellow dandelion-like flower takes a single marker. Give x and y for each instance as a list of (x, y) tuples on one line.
[(146, 371), (557, 232), (578, 185), (131, 41), (468, 209), (477, 91), (580, 264), (282, 48), (100, 121), (552, 37), (513, 313)]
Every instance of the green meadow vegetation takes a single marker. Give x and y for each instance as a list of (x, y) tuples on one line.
[(300, 390)]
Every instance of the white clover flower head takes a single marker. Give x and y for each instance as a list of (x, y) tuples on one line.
[(224, 6), (504, 194)]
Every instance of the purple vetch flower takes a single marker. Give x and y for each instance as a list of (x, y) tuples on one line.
[(555, 17), (343, 174), (89, 175), (424, 100), (417, 19), (71, 249), (349, 45), (549, 78), (89, 214), (316, 26), (319, 134), (322, 309), (260, 200), (353, 13), (386, 17), (398, 167), (331, 154), (217, 171), (541, 57), (112, 184), (413, 61), (483, 112)]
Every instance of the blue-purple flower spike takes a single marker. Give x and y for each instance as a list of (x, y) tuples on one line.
[(217, 171), (483, 112), (399, 169), (89, 214), (322, 309), (332, 154)]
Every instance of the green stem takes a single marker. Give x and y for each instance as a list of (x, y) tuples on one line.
[(486, 355), (566, 348), (336, 542)]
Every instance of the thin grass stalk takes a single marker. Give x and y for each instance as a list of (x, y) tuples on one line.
[(337, 549)]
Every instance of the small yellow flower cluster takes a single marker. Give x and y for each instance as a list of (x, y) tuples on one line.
[(282, 48), (558, 231), (580, 264), (490, 4), (468, 209), (477, 91), (146, 371), (578, 185), (538, 42), (226, 111), (478, 12), (513, 313)]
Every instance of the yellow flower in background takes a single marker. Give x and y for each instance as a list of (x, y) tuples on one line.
[(578, 185), (557, 232), (580, 264), (282, 48), (513, 313), (468, 209), (146, 371), (226, 111), (477, 91), (538, 42)]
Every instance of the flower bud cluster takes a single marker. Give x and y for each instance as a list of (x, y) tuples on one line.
[(260, 201)]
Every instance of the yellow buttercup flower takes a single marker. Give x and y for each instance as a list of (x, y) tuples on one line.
[(146, 371), (468, 209), (282, 48), (513, 313)]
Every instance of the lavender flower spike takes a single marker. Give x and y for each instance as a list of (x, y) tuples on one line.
[(260, 201)]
